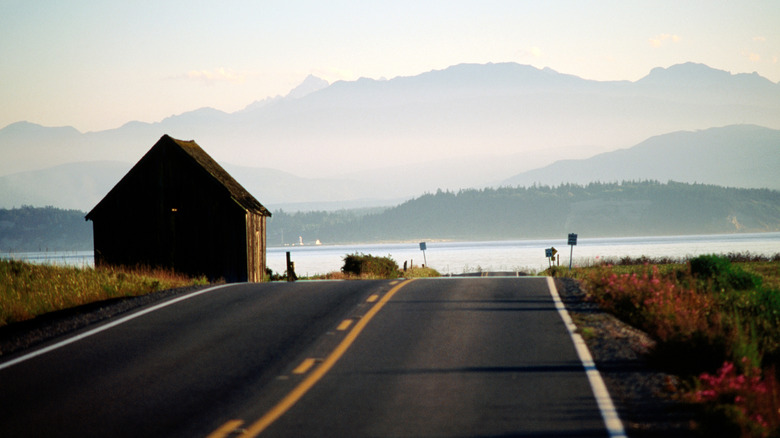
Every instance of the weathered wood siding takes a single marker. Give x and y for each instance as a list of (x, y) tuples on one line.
[(256, 258)]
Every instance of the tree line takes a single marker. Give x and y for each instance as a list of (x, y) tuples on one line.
[(630, 208), (33, 229)]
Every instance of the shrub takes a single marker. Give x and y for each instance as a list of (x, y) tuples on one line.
[(363, 265), (702, 315), (744, 404), (725, 275), (689, 336), (420, 272)]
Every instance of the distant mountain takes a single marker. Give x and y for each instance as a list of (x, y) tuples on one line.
[(82, 185), (77, 186), (465, 126), (737, 156), (493, 109), (699, 76), (309, 85)]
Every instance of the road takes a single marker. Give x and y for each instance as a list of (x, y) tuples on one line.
[(444, 357)]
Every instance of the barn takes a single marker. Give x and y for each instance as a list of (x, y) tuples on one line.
[(177, 208)]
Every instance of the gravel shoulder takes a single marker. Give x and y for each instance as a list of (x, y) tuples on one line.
[(641, 394)]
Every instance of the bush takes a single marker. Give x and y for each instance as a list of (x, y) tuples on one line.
[(725, 275), (703, 315), (363, 265)]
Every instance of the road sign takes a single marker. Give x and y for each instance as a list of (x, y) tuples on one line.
[(548, 253), (422, 246), (572, 242), (554, 251)]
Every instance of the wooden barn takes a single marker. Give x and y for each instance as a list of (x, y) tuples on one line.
[(177, 208)]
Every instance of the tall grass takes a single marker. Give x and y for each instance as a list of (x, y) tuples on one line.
[(28, 290), (714, 320)]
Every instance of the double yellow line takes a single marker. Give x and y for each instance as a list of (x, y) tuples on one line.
[(296, 394)]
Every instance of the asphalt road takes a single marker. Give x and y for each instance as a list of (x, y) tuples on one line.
[(445, 357)]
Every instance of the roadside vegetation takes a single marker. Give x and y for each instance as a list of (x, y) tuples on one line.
[(715, 321), (28, 290), (368, 267)]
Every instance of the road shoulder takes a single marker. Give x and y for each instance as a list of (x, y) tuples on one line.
[(23, 335), (639, 392)]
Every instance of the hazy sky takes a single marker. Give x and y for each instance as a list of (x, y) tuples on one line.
[(96, 64)]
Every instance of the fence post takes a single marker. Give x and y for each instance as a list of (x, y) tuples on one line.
[(290, 269)]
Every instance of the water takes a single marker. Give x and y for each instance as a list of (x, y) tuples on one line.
[(521, 255), (67, 258), (463, 257)]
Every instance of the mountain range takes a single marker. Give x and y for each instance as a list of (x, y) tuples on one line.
[(745, 156), (373, 142)]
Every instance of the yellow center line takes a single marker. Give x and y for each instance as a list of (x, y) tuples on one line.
[(304, 366), (344, 325), (226, 429), (372, 298), (290, 399)]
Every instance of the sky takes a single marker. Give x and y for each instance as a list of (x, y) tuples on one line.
[(97, 64)]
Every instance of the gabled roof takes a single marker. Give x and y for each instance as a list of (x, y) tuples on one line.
[(236, 191)]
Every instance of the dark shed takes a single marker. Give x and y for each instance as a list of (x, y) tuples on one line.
[(177, 208)]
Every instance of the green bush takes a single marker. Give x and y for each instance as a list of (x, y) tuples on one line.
[(725, 275), (364, 265)]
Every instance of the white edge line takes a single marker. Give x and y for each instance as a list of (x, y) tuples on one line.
[(97, 330), (608, 412)]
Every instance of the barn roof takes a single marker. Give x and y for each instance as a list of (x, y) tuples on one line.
[(236, 191)]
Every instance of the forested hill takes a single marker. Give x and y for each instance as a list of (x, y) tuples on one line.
[(30, 229), (593, 210), (597, 209)]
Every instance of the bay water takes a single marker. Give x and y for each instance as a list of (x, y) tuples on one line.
[(521, 255), (468, 257)]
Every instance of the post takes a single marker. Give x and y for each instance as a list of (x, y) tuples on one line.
[(572, 242), (550, 254), (290, 269), (571, 254)]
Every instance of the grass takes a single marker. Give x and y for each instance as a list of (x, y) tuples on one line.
[(716, 323), (28, 290)]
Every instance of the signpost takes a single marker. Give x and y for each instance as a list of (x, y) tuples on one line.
[(572, 242), (423, 247), (550, 254)]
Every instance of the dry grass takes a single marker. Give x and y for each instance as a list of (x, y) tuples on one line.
[(28, 290)]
